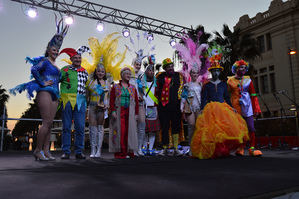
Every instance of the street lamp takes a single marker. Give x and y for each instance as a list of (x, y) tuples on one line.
[(292, 52)]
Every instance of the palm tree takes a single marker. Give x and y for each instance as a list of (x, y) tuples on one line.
[(3, 100), (23, 127), (237, 46)]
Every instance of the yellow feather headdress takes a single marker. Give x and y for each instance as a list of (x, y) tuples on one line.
[(106, 52)]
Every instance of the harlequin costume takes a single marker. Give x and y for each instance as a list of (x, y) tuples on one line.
[(168, 91), (123, 132), (244, 100), (219, 130), (104, 54), (72, 92), (195, 59), (43, 70)]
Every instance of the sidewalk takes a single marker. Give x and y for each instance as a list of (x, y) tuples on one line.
[(273, 175)]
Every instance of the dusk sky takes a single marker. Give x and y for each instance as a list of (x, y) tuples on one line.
[(21, 36)]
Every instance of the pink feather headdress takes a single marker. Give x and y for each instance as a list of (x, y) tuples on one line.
[(191, 55)]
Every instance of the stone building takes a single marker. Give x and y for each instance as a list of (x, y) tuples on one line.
[(276, 71)]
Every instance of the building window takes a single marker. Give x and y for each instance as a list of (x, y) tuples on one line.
[(256, 85), (263, 70), (264, 84), (269, 41), (261, 43), (272, 82), (271, 68), (255, 72)]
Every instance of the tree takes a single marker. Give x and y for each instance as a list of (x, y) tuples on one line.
[(237, 45), (23, 127)]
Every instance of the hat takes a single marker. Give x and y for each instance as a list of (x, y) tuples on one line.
[(72, 52), (239, 63), (166, 62), (61, 31), (215, 56)]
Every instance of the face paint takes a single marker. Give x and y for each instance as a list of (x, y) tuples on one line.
[(215, 74)]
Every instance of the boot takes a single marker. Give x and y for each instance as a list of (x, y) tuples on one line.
[(152, 137), (141, 134), (99, 141), (92, 137)]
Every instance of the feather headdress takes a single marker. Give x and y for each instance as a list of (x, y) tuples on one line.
[(215, 56), (105, 53), (61, 31), (191, 55), (141, 47)]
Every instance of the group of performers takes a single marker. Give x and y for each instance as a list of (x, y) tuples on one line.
[(140, 103)]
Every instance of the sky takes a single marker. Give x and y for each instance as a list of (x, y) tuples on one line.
[(21, 36)]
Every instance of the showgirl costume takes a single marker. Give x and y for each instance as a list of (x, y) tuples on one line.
[(136, 80), (219, 130), (43, 70), (194, 60), (103, 54), (245, 101)]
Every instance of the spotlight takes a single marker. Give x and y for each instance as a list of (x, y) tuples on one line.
[(150, 36), (69, 20), (32, 12), (126, 32), (172, 42), (100, 26)]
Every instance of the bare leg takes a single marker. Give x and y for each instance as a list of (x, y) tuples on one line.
[(52, 114), (44, 101)]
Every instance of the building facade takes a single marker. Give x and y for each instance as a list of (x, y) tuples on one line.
[(276, 71)]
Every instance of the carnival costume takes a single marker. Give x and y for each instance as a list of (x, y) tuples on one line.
[(43, 70), (122, 136), (72, 92), (219, 130), (136, 80), (244, 100), (194, 59), (168, 91), (152, 124), (47, 77), (104, 54)]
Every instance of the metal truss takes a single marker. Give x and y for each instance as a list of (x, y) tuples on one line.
[(110, 15)]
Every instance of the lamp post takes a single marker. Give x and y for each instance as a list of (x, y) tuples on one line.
[(292, 52)]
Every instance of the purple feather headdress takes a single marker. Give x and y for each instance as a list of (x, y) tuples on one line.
[(191, 55)]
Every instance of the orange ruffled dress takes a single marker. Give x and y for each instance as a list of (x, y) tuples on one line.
[(219, 131)]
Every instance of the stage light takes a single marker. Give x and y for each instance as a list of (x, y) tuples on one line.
[(150, 36), (172, 42), (126, 32), (100, 26), (69, 19), (32, 12)]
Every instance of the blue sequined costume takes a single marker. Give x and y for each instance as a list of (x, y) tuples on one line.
[(41, 71)]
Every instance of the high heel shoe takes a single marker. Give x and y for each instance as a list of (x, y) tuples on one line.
[(49, 156), (40, 156)]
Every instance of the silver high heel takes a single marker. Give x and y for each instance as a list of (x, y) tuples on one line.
[(49, 156), (40, 156)]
